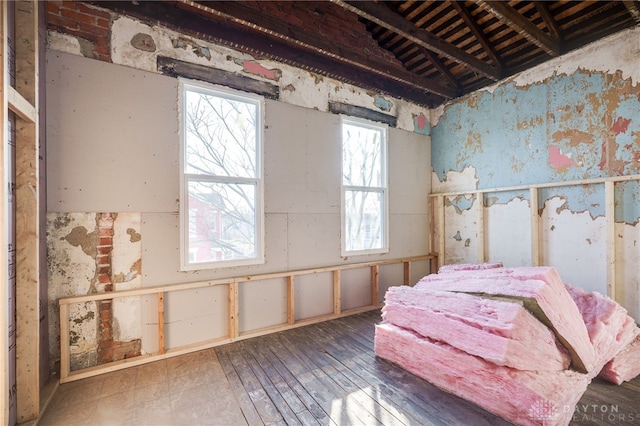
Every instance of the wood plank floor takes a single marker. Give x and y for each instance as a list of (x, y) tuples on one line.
[(322, 374), (328, 374)]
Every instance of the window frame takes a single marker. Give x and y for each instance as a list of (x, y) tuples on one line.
[(185, 85), (384, 130)]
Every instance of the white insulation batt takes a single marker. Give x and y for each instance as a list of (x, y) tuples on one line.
[(517, 342)]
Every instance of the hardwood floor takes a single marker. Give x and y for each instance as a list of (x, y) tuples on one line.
[(324, 374), (328, 374)]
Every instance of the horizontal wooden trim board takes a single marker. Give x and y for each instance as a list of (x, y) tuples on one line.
[(66, 375), (593, 181)]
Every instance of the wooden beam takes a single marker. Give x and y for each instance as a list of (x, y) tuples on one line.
[(610, 219), (521, 25), (634, 9), (548, 19), (625, 178), (254, 20), (375, 284), (362, 112), (534, 218), (233, 303), (177, 68), (396, 82), (291, 300), (441, 229), (406, 273), (477, 33), (20, 106), (383, 16), (4, 223), (480, 227), (337, 294), (233, 317), (440, 66), (65, 361), (161, 343), (27, 202)]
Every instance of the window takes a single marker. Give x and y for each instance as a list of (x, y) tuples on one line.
[(221, 196), (364, 187)]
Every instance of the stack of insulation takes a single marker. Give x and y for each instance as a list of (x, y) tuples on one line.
[(515, 341)]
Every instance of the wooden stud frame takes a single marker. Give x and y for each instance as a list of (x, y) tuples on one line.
[(233, 332), (23, 101), (536, 249)]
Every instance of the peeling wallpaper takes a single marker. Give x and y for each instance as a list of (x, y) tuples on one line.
[(573, 118), (580, 126)]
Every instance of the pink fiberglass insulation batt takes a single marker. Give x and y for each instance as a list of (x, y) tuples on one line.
[(625, 365), (610, 328), (541, 290), (522, 397), (469, 267), (500, 331)]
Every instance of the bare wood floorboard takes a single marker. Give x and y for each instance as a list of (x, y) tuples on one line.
[(328, 374), (322, 374)]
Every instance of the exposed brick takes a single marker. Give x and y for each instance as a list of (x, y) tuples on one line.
[(60, 22), (105, 232), (103, 23), (107, 249), (102, 48), (105, 241), (70, 5), (93, 11), (92, 29), (77, 16), (52, 8), (104, 279)]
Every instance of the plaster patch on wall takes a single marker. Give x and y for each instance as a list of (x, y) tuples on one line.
[(73, 244), (455, 181), (144, 42), (63, 43), (190, 45), (460, 203), (297, 87), (615, 52), (382, 103)]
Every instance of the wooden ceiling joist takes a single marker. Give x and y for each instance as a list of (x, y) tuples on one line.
[(477, 32), (522, 25), (425, 52), (384, 17), (633, 7)]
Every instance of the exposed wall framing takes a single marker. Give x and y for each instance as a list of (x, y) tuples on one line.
[(438, 209), (23, 101), (233, 319)]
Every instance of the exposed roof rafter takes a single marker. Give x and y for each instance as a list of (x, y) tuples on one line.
[(425, 52), (384, 17), (522, 25), (634, 9), (477, 32)]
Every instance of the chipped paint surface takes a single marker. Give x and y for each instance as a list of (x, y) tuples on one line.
[(383, 104), (575, 118), (421, 124), (72, 248), (587, 132), (297, 87)]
